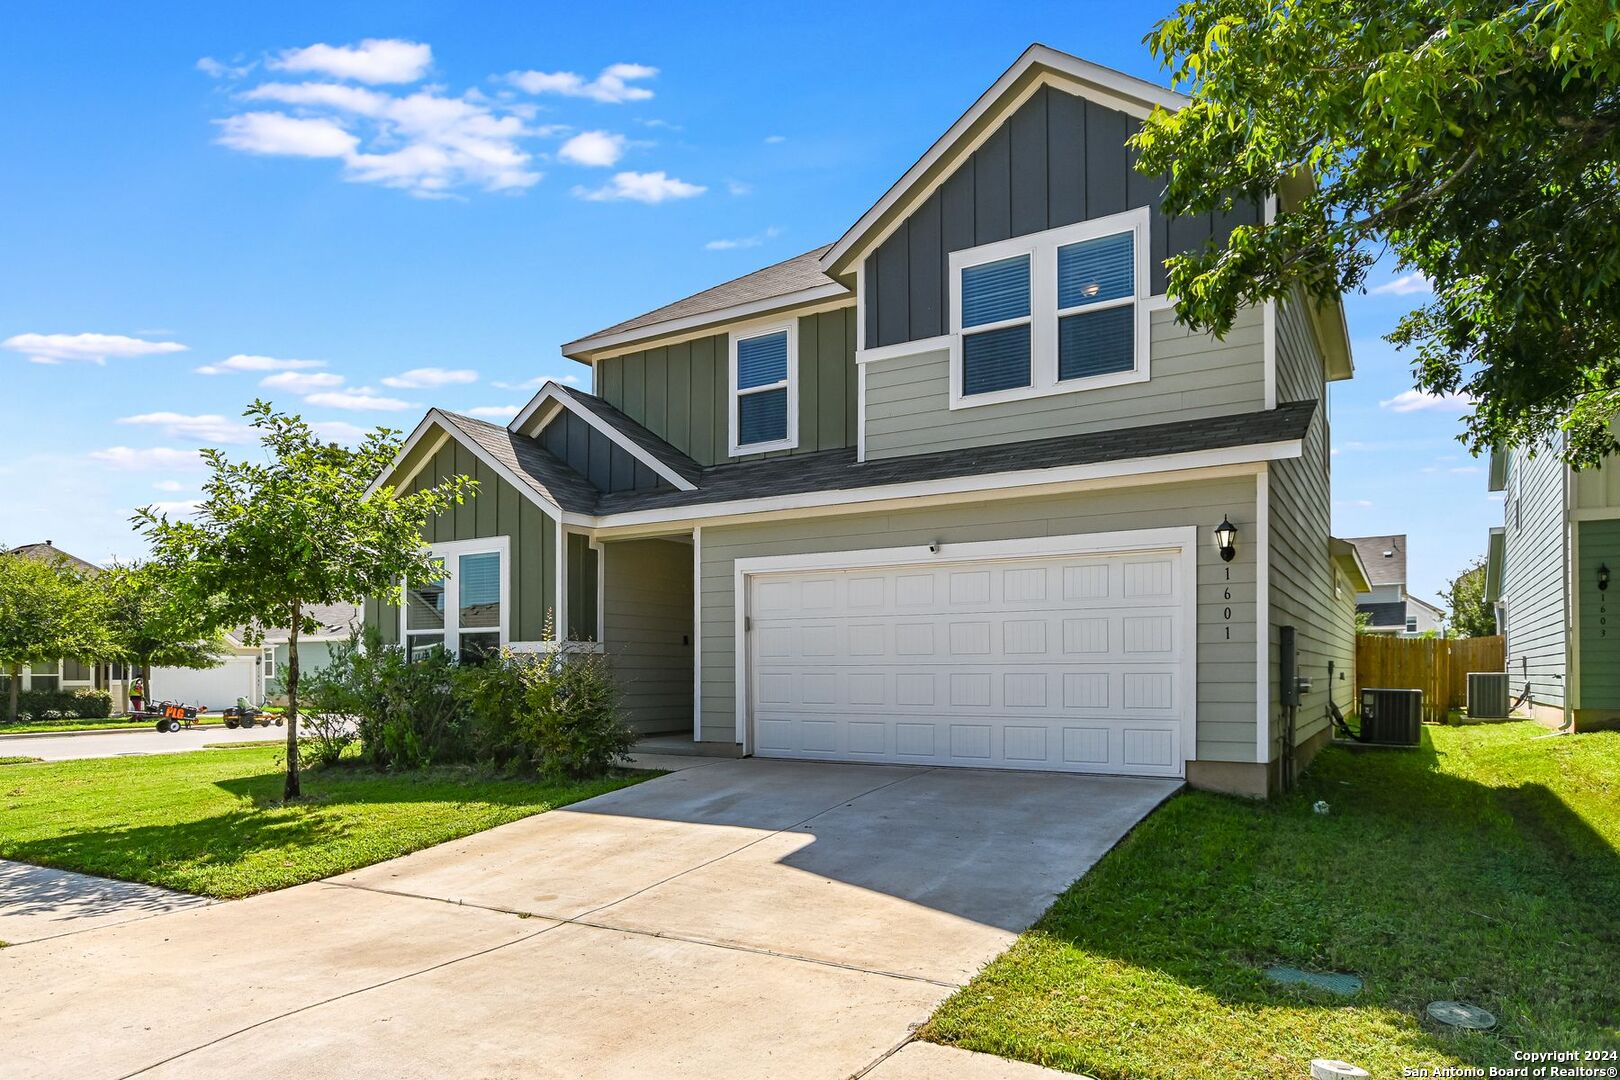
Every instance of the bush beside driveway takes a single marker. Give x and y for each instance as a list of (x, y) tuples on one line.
[(1483, 867)]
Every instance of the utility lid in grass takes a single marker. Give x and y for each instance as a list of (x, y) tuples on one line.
[(1461, 1014), (1336, 982)]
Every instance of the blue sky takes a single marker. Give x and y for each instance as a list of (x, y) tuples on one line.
[(424, 219)]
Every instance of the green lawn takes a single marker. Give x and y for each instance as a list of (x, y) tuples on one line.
[(35, 727), (212, 823), (1484, 867), (18, 759)]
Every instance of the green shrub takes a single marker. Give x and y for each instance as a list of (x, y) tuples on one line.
[(405, 714), (556, 714), (37, 705)]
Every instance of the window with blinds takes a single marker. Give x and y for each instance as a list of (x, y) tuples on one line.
[(1050, 313), (764, 369)]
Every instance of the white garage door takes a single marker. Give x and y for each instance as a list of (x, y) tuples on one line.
[(1075, 663), (212, 688)]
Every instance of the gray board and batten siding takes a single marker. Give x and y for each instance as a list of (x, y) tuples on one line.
[(1059, 159)]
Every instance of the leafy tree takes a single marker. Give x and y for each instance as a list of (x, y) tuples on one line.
[(48, 611), (1478, 140), (153, 620), (303, 527), (1471, 614), (1363, 622)]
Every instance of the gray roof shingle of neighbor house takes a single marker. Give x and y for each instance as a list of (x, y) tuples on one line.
[(1383, 556), (779, 279), (49, 551), (837, 470)]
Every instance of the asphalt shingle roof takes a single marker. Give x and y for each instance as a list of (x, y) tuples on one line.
[(1383, 556), (630, 429), (1384, 616), (536, 466), (837, 470), (789, 276), (50, 552)]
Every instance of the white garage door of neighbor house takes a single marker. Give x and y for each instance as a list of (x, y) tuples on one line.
[(1075, 663), (212, 688)]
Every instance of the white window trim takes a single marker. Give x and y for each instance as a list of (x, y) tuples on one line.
[(791, 384), (1044, 312), (450, 550)]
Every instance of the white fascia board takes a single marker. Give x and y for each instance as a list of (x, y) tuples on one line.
[(416, 436), (985, 482), (552, 392), (1106, 86), (595, 347), (437, 417)]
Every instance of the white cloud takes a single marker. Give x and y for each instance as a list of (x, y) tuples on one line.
[(179, 508), (218, 69), (208, 427), (1466, 470), (1405, 285), (743, 241), (495, 412), (738, 188), (361, 397), (611, 86), (535, 383), (244, 362), (653, 187), (374, 60), (302, 382), (1417, 401), (338, 431), (88, 348), (276, 134), (156, 457), (169, 485), (429, 377), (593, 148), (425, 142), (774, 139), (1359, 504)]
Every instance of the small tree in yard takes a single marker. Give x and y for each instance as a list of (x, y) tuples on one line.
[(48, 611), (270, 539), (1471, 614), (153, 620), (1478, 140)]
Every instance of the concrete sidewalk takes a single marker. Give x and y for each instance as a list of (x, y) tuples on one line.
[(736, 919)]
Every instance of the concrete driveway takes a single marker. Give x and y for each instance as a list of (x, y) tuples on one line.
[(740, 919), (71, 746)]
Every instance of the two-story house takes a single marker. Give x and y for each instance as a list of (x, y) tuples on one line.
[(1388, 607), (1548, 573), (956, 489)]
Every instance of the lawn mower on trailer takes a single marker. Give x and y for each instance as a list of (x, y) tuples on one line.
[(170, 715), (245, 715)]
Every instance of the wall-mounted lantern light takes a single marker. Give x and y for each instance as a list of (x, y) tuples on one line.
[(1226, 539), (1603, 578)]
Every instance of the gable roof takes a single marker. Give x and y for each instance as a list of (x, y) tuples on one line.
[(651, 450), (787, 283), (1383, 556), (524, 460), (1037, 65), (49, 552)]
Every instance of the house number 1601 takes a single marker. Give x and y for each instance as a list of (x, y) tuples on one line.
[(1226, 612)]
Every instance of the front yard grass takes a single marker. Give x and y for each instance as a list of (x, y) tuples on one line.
[(212, 823), (1484, 867), (38, 727)]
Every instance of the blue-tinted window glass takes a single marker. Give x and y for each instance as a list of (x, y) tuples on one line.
[(1097, 342), (995, 360), (762, 360), (480, 587), (1096, 270), (762, 417), (993, 292)]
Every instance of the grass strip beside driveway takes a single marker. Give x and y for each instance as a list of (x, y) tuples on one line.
[(1484, 867), (213, 824)]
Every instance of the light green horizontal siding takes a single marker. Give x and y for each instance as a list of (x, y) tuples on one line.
[(1226, 707), (1599, 616), (647, 630), (908, 398), (681, 392), (497, 510)]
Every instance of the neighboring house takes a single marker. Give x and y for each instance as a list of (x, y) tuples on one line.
[(945, 492), (58, 674), (248, 671), (1389, 607), (1548, 572)]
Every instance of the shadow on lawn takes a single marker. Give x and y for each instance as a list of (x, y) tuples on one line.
[(1428, 885)]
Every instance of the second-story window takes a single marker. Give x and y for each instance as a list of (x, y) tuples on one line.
[(764, 407), (1050, 313)]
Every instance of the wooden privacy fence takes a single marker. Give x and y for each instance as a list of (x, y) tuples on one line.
[(1437, 666)]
